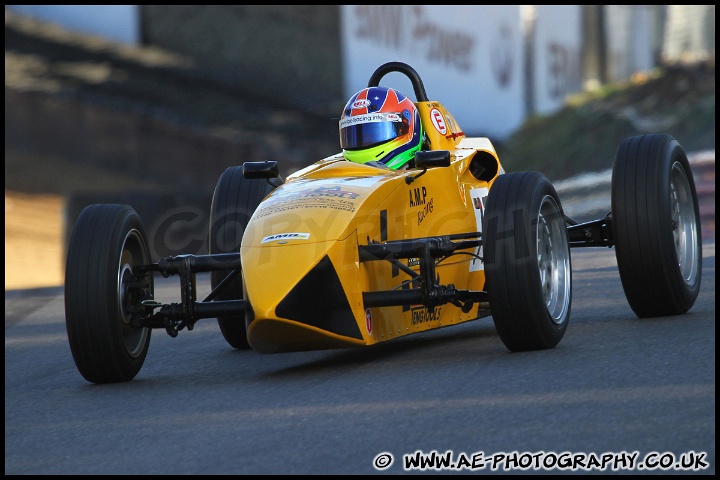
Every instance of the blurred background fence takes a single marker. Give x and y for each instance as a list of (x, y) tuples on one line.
[(168, 96), (517, 60)]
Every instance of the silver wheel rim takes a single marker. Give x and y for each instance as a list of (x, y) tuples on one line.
[(133, 253), (553, 257), (684, 224)]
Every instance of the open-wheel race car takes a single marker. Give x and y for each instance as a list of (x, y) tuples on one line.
[(350, 251)]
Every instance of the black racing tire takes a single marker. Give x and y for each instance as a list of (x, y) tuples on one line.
[(102, 291), (528, 274), (656, 225), (234, 201)]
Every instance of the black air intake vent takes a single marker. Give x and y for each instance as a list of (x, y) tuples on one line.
[(319, 300)]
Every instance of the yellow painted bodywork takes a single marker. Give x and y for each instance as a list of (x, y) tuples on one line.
[(330, 208)]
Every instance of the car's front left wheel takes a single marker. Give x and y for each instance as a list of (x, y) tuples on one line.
[(234, 201), (527, 261)]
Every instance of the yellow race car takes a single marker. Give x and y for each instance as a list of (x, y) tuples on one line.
[(350, 252)]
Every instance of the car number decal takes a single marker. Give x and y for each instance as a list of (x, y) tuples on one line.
[(438, 121)]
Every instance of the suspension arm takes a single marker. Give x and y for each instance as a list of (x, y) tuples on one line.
[(427, 250), (176, 316), (596, 233)]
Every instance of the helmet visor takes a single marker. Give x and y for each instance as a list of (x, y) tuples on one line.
[(363, 131)]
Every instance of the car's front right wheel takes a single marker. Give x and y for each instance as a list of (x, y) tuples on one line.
[(656, 225), (104, 287)]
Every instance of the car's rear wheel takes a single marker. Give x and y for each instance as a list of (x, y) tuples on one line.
[(103, 291), (527, 261), (234, 201), (656, 225)]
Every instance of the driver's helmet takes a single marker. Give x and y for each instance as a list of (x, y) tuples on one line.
[(382, 125)]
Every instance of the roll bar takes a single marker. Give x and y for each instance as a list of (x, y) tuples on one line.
[(406, 70)]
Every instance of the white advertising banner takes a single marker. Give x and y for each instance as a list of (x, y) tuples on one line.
[(629, 32), (469, 57), (556, 55)]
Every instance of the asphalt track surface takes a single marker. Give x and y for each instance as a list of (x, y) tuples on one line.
[(616, 385)]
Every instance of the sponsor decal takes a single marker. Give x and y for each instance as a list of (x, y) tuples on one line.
[(328, 191), (368, 320), (424, 315), (425, 211), (438, 121), (285, 236), (289, 205), (370, 118), (307, 191), (360, 104), (478, 197), (418, 196), (332, 197)]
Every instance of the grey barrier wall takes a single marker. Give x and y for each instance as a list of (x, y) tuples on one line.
[(175, 129), (290, 55)]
